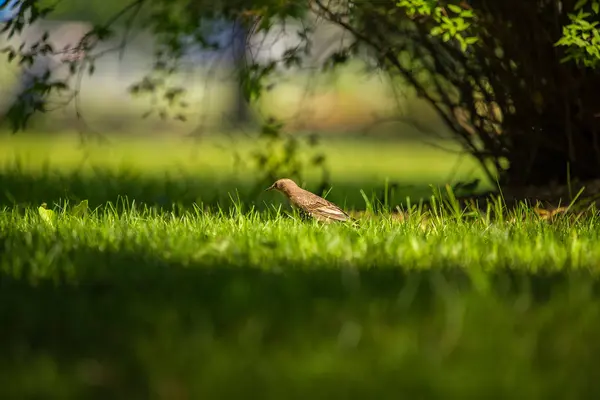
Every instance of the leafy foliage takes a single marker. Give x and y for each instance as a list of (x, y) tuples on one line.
[(582, 35), (453, 21)]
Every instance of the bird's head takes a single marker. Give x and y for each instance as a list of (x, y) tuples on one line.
[(283, 185)]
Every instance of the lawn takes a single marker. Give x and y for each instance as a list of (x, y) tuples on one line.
[(161, 171), (125, 299)]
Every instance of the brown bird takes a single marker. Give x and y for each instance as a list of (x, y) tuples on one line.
[(309, 203)]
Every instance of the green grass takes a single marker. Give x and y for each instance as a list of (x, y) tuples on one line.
[(362, 158), (163, 171), (151, 304), (231, 296), (269, 240)]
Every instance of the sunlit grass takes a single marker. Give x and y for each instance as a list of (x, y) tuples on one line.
[(170, 285), (272, 240), (136, 299), (164, 171), (378, 159)]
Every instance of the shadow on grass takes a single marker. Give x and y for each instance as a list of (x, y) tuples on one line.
[(96, 324), (28, 189)]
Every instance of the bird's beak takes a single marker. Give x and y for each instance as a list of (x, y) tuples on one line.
[(270, 188)]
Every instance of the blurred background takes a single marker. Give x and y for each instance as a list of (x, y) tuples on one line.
[(349, 128)]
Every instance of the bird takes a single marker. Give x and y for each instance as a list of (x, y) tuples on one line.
[(309, 203)]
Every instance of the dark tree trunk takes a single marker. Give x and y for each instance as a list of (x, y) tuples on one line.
[(551, 153)]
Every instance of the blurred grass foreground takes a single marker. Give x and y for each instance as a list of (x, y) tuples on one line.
[(142, 300)]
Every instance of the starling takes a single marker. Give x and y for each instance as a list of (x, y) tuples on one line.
[(309, 203)]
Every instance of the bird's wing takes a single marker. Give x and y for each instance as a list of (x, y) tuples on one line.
[(326, 209)]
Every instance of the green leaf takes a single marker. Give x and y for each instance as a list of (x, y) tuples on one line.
[(46, 215), (436, 31), (460, 23), (81, 209), (583, 15), (592, 51), (596, 7), (580, 4), (584, 23), (456, 9)]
